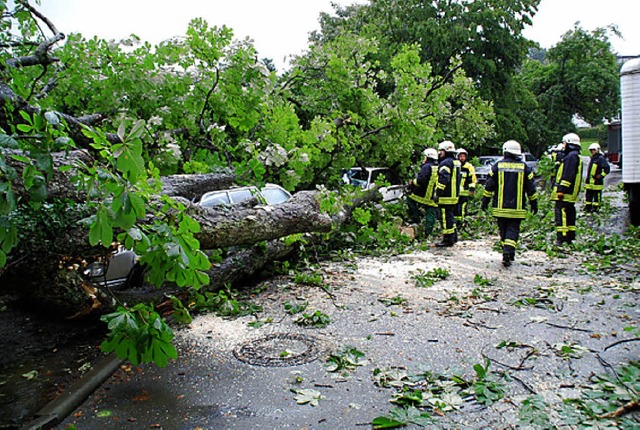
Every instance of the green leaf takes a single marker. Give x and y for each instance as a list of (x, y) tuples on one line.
[(386, 423)]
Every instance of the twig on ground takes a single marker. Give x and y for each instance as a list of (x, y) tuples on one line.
[(569, 327), (635, 339), (632, 405)]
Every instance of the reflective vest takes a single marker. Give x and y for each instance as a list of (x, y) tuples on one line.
[(569, 177), (468, 179), (508, 182), (598, 169), (448, 186), (425, 184)]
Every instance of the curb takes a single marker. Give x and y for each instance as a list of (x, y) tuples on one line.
[(62, 406)]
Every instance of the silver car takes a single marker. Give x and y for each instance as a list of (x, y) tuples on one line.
[(121, 269), (486, 162)]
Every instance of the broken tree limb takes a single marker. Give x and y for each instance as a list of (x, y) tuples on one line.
[(225, 226)]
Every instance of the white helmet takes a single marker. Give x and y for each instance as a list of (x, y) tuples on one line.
[(512, 147), (462, 151), (571, 139), (447, 146), (430, 153), (595, 146)]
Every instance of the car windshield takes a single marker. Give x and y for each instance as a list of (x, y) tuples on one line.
[(215, 199), (385, 175), (357, 177), (487, 161), (275, 196), (227, 197), (241, 195)]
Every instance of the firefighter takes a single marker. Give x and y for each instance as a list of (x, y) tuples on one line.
[(508, 182), (594, 183), (421, 198), (566, 189), (447, 191), (467, 187), (556, 157)]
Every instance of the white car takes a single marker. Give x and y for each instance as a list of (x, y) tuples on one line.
[(369, 177), (122, 270)]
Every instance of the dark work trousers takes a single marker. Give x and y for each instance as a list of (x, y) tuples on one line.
[(428, 213), (447, 220), (461, 210), (509, 234), (565, 216), (592, 200)]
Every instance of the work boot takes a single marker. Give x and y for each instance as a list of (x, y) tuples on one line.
[(454, 237), (506, 260), (446, 241)]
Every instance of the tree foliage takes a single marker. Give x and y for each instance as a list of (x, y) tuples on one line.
[(579, 76), (484, 38)]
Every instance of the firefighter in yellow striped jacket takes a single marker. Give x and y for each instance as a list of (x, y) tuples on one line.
[(423, 189), (447, 191), (594, 183), (467, 187), (508, 182), (566, 190)]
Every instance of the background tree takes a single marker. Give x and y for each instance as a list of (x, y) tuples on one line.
[(483, 37), (578, 77)]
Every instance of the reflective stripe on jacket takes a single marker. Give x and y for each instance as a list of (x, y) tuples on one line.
[(598, 169), (508, 182), (569, 177), (448, 186), (468, 179), (425, 184)]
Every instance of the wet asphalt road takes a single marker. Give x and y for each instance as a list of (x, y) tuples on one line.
[(447, 326)]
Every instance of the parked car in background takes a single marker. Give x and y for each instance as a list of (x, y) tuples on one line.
[(369, 177), (487, 161), (121, 269), (482, 171), (531, 161)]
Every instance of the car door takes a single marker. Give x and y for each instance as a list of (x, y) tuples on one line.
[(395, 190)]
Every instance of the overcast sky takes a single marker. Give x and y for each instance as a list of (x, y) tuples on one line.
[(280, 28)]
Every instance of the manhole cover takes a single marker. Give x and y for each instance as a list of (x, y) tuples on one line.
[(279, 350)]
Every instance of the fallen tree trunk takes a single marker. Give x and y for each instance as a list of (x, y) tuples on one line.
[(62, 242), (244, 264)]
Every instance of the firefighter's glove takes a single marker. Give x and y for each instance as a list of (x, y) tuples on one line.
[(485, 203), (534, 206), (560, 196)]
